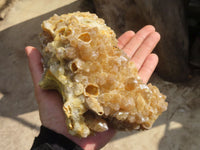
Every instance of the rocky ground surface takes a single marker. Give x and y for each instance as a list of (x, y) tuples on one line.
[(177, 129)]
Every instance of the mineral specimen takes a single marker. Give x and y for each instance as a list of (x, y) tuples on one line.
[(99, 85)]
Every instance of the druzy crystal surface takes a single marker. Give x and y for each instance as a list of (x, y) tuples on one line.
[(99, 85)]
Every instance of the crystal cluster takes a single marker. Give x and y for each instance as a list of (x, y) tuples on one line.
[(99, 85)]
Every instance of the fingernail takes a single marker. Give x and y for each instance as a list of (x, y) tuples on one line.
[(27, 50)]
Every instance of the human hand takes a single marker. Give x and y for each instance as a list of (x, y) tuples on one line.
[(137, 46)]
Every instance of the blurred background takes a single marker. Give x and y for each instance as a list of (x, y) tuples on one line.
[(177, 75)]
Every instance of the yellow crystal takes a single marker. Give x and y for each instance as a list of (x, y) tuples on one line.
[(100, 86)]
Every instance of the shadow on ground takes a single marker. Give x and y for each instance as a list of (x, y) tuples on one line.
[(18, 97)]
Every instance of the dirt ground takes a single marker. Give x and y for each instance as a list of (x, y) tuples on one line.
[(176, 129)]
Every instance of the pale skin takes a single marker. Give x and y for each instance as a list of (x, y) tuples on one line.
[(138, 46)]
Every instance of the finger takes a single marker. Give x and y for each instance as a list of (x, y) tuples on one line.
[(35, 65), (148, 67), (145, 49), (125, 38), (137, 40)]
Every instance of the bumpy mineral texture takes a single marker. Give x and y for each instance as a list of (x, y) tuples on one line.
[(99, 85)]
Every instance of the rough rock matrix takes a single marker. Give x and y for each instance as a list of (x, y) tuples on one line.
[(99, 85)]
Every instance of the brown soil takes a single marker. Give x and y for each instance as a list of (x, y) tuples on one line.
[(177, 129)]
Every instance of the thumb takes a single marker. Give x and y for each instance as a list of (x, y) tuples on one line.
[(35, 65)]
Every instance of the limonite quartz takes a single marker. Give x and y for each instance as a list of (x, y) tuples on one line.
[(99, 84)]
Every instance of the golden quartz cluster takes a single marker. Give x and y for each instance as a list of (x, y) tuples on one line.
[(99, 84)]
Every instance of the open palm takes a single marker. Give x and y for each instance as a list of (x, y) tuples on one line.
[(137, 46)]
